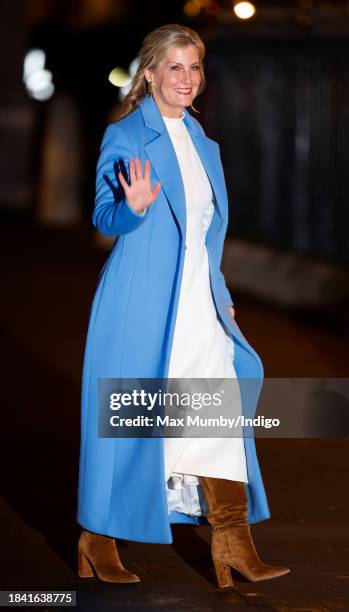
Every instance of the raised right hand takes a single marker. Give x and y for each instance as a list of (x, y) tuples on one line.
[(139, 193)]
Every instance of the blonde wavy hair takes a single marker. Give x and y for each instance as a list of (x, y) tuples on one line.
[(153, 50)]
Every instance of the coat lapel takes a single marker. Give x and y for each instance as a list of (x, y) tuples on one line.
[(163, 159), (208, 151)]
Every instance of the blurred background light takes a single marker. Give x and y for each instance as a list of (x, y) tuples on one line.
[(133, 66), (244, 10), (44, 93), (192, 8), (33, 61), (119, 77), (132, 69), (38, 81)]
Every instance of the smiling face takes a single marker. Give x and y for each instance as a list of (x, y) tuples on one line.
[(176, 80)]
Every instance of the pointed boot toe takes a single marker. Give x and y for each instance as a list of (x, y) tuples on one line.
[(121, 576), (232, 544), (98, 555), (267, 572), (234, 547)]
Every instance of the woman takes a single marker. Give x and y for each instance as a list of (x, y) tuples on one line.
[(162, 309)]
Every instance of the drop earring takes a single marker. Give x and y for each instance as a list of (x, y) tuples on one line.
[(150, 88)]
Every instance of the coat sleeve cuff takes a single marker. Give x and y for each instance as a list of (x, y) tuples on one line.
[(112, 214), (129, 219)]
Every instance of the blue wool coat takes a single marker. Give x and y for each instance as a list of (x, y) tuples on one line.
[(122, 490)]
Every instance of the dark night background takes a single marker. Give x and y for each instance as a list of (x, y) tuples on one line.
[(277, 102)]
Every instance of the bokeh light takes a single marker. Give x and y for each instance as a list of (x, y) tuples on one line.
[(244, 10)]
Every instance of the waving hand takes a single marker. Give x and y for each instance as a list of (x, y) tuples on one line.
[(139, 193)]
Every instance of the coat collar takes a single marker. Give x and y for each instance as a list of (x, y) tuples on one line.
[(153, 118), (164, 161)]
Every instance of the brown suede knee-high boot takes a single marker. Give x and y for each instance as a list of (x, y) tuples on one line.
[(98, 553), (232, 544)]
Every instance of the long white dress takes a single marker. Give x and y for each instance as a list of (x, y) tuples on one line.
[(201, 348)]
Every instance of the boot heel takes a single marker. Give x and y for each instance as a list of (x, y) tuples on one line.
[(84, 566), (223, 574)]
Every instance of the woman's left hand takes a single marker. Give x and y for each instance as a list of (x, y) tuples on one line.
[(232, 311)]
